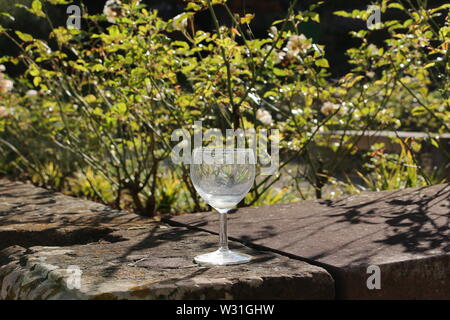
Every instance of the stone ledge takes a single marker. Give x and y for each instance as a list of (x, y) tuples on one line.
[(155, 262), (28, 208), (45, 235), (405, 232), (32, 216)]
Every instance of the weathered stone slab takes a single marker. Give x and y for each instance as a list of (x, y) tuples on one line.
[(36, 216), (48, 237), (27, 206), (406, 233), (155, 262)]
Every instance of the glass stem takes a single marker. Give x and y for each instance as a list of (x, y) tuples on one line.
[(223, 235)]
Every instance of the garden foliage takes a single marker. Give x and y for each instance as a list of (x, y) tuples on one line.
[(93, 113)]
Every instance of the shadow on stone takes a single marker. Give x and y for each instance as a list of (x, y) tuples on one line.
[(53, 237)]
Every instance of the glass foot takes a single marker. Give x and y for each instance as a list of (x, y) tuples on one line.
[(222, 257)]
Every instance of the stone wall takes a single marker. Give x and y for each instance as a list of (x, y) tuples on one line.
[(57, 247)]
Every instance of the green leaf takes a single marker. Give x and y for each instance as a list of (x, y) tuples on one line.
[(342, 13), (36, 5), (6, 14), (55, 2), (193, 6), (181, 44), (121, 108), (407, 23), (19, 5), (24, 36), (443, 7), (417, 111), (396, 5), (277, 22), (97, 111), (90, 98), (34, 71), (36, 8), (247, 19), (434, 143), (37, 81), (322, 63), (97, 68), (316, 18), (280, 72)]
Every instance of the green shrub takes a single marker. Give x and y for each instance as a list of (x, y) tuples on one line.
[(108, 99)]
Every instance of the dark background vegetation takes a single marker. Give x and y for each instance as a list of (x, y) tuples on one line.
[(331, 32)]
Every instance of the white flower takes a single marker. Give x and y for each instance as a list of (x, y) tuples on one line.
[(2, 68), (297, 111), (3, 112), (159, 96), (273, 31), (112, 10), (31, 93), (264, 116), (370, 74), (280, 56), (5, 85), (329, 108), (297, 44), (180, 22)]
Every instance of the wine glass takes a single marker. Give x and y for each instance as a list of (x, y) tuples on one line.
[(222, 177)]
